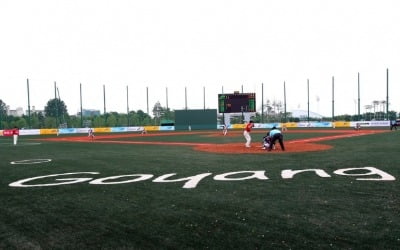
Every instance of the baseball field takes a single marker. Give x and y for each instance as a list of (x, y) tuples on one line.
[(330, 189)]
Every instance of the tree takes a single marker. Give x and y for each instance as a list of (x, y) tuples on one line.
[(98, 122), (122, 120), (111, 120), (142, 118), (20, 122), (41, 119), (392, 115), (3, 108), (3, 112), (157, 112), (56, 108), (35, 121), (162, 113), (50, 122), (74, 121)]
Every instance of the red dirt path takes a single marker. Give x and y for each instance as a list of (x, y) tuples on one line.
[(302, 145)]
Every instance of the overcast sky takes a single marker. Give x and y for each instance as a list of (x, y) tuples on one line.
[(210, 44)]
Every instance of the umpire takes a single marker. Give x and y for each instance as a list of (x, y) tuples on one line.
[(276, 134)]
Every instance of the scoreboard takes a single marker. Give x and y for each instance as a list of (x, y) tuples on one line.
[(236, 103)]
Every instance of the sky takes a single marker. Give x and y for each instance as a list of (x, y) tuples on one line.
[(206, 47)]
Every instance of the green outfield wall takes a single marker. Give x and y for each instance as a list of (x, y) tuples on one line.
[(195, 119)]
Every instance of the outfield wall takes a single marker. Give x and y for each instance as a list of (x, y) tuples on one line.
[(196, 119), (339, 124)]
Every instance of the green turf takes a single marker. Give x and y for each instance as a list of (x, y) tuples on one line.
[(306, 212)]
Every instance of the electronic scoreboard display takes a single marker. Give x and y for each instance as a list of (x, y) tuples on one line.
[(236, 103)]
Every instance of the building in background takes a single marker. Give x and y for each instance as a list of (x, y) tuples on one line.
[(34, 110), (89, 112), (18, 112)]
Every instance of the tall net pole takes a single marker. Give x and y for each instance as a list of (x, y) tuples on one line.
[(308, 100), (104, 101), (387, 94), (127, 104), (185, 98), (166, 96), (80, 93), (284, 100), (56, 102), (333, 98), (147, 99), (359, 100), (262, 102), (29, 104), (204, 97)]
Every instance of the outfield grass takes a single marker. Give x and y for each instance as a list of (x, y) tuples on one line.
[(306, 212)]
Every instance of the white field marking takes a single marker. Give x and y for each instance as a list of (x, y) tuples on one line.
[(193, 181), (149, 143), (30, 161), (21, 143), (328, 138)]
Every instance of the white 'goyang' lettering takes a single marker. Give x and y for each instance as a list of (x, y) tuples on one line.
[(289, 173), (21, 183), (372, 171), (104, 181), (255, 175), (191, 181)]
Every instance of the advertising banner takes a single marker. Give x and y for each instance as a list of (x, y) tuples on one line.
[(152, 128), (170, 128), (322, 124), (8, 132), (290, 124), (260, 125), (271, 125), (341, 124), (102, 130), (67, 131), (236, 126), (134, 129), (82, 130), (314, 124), (304, 124), (49, 131), (370, 124), (380, 123), (29, 132), (119, 129)]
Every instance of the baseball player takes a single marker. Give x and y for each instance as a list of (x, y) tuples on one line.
[(267, 140), (91, 133), (15, 133), (224, 129), (246, 133)]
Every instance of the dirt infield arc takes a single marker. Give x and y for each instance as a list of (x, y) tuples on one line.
[(302, 145)]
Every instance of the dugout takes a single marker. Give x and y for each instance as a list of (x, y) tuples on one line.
[(167, 123), (196, 119)]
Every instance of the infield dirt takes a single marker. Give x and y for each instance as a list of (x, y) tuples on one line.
[(302, 145)]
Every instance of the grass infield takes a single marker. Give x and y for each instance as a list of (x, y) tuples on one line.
[(305, 212)]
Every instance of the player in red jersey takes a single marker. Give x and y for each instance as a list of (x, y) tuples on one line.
[(246, 133), (15, 133)]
